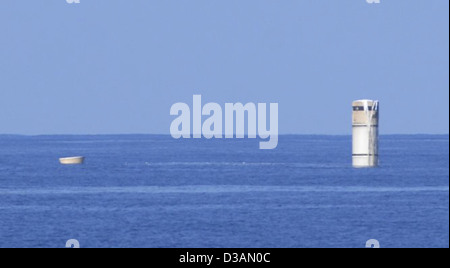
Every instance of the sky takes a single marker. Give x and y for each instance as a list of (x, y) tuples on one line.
[(117, 66)]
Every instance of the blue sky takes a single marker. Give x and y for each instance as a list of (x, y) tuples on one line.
[(117, 66)]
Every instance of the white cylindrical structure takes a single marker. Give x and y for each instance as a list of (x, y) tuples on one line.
[(365, 133)]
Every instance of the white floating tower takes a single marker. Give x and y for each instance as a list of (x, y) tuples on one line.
[(365, 133)]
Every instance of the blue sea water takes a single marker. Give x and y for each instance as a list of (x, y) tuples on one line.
[(154, 191)]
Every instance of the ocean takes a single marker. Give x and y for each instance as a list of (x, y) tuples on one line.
[(153, 191)]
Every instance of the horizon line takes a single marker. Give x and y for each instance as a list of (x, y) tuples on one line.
[(286, 134)]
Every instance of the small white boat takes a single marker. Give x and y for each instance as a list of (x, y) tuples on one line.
[(76, 160)]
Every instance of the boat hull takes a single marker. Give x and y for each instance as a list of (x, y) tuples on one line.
[(78, 160)]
